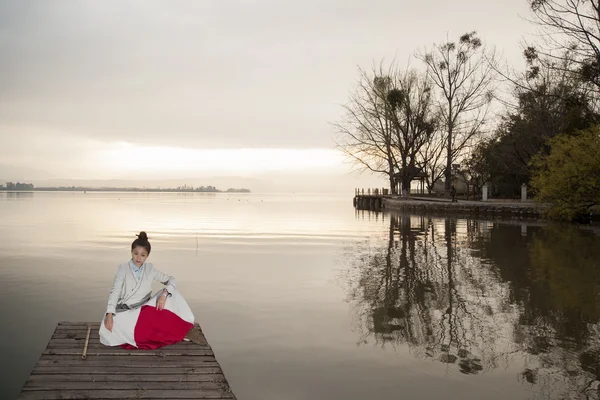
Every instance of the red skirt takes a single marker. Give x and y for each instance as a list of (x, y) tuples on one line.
[(155, 329)]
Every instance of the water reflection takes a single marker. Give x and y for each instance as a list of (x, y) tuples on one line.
[(477, 296), (9, 195)]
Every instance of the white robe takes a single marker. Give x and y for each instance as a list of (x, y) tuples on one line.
[(129, 290)]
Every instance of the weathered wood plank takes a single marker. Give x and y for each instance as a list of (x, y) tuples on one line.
[(138, 362), (96, 342), (121, 352), (124, 394), (150, 358), (131, 385), (80, 323), (84, 325), (61, 329), (79, 336), (78, 345), (204, 369), (81, 342), (35, 379), (78, 340)]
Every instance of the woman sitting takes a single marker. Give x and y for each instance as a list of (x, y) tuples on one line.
[(137, 319)]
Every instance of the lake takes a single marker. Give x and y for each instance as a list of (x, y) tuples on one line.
[(302, 297)]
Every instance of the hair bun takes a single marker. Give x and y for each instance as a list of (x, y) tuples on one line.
[(143, 236)]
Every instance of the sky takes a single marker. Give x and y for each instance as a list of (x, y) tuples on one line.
[(200, 90)]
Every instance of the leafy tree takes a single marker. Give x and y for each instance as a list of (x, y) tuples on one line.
[(569, 176), (549, 101), (476, 167)]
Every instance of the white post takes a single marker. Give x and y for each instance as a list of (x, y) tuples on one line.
[(484, 193), (523, 192)]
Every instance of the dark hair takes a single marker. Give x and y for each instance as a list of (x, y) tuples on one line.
[(141, 241)]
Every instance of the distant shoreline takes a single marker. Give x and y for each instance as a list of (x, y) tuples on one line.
[(155, 190)]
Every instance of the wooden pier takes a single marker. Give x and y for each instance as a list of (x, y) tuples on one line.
[(369, 199), (180, 371)]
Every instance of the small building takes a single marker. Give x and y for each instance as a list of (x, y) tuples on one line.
[(417, 174)]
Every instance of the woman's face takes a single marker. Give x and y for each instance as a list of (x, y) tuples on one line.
[(139, 255)]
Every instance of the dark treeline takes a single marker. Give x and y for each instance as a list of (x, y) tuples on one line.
[(17, 186), (452, 293), (457, 116)]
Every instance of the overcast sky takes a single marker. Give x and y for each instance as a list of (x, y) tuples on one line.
[(110, 89)]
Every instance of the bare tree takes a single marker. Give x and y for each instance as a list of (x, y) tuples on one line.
[(365, 133), (431, 158), (413, 120), (463, 72), (388, 119), (571, 31)]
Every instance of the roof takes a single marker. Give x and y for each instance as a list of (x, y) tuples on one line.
[(414, 171)]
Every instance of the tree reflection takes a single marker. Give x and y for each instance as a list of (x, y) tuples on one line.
[(479, 296)]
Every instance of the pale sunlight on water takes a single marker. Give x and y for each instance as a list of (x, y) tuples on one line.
[(301, 297)]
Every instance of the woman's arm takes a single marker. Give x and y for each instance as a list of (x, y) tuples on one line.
[(113, 297), (167, 280)]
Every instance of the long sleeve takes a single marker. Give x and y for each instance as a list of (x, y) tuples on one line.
[(167, 280), (113, 297)]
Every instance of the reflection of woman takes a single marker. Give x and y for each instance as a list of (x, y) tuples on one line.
[(136, 318)]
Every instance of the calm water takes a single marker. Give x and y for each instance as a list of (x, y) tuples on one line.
[(303, 298)]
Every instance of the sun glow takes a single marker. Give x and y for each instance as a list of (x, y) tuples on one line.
[(128, 158)]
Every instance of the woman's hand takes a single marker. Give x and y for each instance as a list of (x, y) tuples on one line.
[(162, 299), (108, 322)]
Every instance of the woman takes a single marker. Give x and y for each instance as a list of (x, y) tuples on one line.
[(137, 319)]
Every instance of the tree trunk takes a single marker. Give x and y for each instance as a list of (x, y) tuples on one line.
[(405, 186), (448, 183)]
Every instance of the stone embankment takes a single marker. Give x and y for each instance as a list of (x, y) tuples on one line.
[(472, 208)]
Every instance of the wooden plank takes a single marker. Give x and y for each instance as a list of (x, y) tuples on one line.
[(204, 369), (78, 340), (78, 334), (81, 335), (35, 379), (125, 362), (78, 345), (84, 325), (96, 342), (131, 385), (179, 347), (124, 394), (94, 328), (121, 352), (150, 358), (81, 342)]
